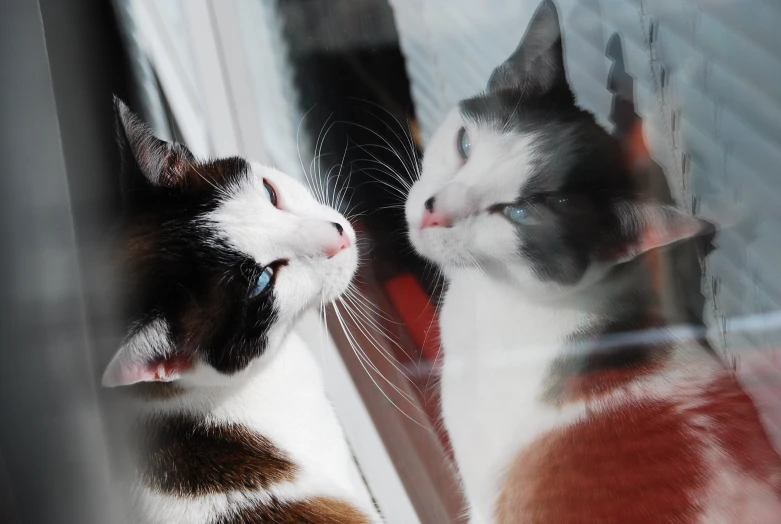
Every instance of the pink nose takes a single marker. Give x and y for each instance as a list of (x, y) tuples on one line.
[(434, 219), (338, 246)]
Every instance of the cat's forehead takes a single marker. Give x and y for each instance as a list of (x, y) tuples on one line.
[(564, 147)]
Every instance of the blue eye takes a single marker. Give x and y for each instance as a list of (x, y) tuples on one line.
[(521, 215), (272, 195), (463, 143), (263, 283)]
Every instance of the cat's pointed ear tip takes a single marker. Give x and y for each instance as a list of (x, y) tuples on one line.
[(113, 375), (550, 6), (687, 225), (707, 227), (120, 107), (108, 380), (123, 114)]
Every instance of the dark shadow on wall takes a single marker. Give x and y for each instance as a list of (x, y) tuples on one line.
[(682, 261)]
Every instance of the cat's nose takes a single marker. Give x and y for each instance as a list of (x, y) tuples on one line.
[(432, 217), (340, 244)]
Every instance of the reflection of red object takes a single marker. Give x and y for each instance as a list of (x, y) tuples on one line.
[(418, 313), (637, 149), (421, 321), (636, 146)]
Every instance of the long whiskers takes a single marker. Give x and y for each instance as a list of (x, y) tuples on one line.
[(368, 365), (298, 150), (376, 344), (392, 164)]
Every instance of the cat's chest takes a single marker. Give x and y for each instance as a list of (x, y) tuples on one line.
[(481, 318), (498, 351)]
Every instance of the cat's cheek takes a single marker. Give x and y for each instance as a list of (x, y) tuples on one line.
[(423, 242), (296, 289), (311, 282), (415, 239), (495, 238)]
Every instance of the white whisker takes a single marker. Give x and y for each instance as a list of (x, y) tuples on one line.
[(364, 361)]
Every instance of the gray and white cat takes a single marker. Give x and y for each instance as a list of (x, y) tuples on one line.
[(230, 423), (560, 406)]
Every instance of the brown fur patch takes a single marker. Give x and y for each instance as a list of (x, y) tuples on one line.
[(320, 510), (631, 464), (182, 456)]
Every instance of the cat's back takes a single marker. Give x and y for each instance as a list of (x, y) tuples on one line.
[(537, 443), (681, 447)]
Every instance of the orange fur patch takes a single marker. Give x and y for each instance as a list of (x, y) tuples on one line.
[(638, 462), (634, 464)]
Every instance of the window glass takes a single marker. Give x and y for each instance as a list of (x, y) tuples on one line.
[(347, 95)]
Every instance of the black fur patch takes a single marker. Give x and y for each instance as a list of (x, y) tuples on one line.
[(180, 271), (176, 268), (578, 173), (607, 356), (182, 456)]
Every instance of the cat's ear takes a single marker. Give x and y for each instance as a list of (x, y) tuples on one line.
[(147, 355), (649, 225), (537, 65), (162, 164)]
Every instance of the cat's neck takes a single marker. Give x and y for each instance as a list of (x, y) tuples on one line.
[(626, 302), (206, 394), (284, 402)]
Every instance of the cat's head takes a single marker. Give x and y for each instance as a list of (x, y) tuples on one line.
[(218, 259), (522, 183)]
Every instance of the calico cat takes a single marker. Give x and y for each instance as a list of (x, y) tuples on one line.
[(230, 424), (567, 394)]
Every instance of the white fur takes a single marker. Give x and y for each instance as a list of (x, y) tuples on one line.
[(732, 495), (497, 348)]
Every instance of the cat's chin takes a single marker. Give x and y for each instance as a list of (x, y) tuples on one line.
[(444, 247), (341, 270)]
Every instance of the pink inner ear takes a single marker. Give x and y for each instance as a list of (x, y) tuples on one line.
[(653, 237), (162, 370), (658, 233), (170, 369)]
